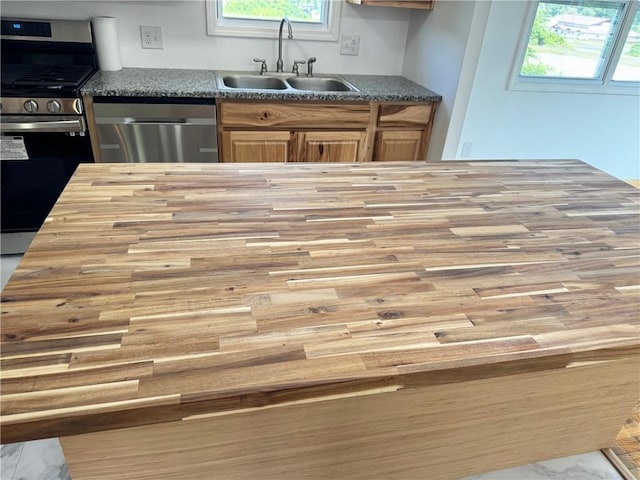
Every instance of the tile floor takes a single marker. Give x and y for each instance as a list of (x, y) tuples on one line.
[(44, 460), (8, 264), (37, 460)]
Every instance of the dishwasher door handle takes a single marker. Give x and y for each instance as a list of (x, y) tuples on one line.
[(154, 121)]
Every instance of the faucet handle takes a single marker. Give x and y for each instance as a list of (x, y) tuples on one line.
[(263, 67), (310, 63), (295, 66)]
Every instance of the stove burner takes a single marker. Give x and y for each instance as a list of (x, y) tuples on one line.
[(53, 77)]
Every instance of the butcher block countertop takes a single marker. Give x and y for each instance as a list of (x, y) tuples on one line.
[(161, 292)]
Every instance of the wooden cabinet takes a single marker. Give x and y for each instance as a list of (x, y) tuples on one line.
[(251, 131), (269, 146), (329, 146), (398, 145), (403, 131), (295, 115), (404, 114), (285, 146), (293, 132), (419, 4)]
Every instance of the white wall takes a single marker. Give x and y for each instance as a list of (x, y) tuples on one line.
[(383, 33), (501, 123), (437, 44)]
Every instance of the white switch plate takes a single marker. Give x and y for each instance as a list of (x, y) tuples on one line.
[(151, 37), (349, 44)]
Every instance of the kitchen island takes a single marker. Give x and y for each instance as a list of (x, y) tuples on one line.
[(377, 320)]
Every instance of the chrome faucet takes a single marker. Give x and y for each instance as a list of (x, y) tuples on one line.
[(280, 63)]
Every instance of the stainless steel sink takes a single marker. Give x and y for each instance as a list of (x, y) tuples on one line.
[(283, 82), (254, 82), (320, 84)]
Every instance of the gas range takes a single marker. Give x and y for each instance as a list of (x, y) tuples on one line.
[(44, 65), (43, 90), (43, 133)]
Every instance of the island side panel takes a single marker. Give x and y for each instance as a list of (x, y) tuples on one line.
[(436, 432)]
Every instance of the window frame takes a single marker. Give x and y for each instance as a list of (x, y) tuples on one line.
[(326, 31), (603, 84)]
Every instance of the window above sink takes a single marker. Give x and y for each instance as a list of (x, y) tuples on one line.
[(312, 20)]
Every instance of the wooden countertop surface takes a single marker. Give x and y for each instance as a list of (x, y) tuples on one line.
[(158, 292)]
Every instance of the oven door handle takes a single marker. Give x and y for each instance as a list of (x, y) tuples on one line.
[(10, 124)]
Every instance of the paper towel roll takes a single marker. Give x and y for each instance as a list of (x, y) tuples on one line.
[(105, 34)]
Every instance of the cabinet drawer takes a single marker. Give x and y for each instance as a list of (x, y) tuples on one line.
[(305, 115), (403, 115)]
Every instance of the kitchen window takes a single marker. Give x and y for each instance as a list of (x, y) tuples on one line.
[(311, 19), (580, 45)]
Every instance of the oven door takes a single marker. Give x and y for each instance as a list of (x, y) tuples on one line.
[(39, 155)]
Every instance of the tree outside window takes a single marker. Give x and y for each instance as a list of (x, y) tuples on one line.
[(297, 10), (312, 19)]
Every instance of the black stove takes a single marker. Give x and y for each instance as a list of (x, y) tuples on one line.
[(44, 137)]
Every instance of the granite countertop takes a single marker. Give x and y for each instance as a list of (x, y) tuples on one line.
[(162, 82), (152, 82)]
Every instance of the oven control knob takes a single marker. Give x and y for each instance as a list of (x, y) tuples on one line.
[(53, 106), (31, 106)]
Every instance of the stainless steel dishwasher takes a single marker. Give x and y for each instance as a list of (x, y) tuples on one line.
[(146, 130)]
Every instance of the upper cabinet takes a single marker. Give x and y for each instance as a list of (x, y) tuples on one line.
[(421, 4)]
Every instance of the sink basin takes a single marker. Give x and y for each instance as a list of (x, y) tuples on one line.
[(320, 84), (255, 82), (283, 82)]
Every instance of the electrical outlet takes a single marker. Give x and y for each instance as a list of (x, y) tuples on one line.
[(151, 37), (349, 44)]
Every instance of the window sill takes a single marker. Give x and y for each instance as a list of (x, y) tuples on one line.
[(574, 86)]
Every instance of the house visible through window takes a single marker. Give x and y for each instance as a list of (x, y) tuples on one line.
[(596, 41), (311, 19)]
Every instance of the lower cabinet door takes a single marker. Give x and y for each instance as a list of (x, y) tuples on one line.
[(398, 145), (243, 146), (329, 146)]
